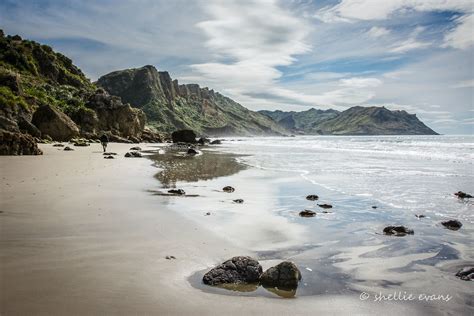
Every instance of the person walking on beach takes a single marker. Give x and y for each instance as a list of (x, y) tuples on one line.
[(104, 140)]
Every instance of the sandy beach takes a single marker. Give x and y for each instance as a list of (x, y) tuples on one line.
[(83, 235)]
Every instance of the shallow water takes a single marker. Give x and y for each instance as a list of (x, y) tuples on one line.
[(344, 252)]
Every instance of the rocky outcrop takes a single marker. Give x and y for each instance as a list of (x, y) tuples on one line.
[(184, 136), (171, 106), (356, 120), (16, 143), (235, 270), (285, 275), (52, 122)]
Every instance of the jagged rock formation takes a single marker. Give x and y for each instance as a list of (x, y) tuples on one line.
[(170, 106), (356, 120), (43, 94)]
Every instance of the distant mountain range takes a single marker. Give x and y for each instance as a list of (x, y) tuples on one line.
[(170, 105), (356, 120)]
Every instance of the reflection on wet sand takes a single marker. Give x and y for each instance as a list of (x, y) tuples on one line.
[(181, 167)]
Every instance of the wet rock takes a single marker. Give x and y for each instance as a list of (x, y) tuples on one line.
[(466, 274), (463, 195), (203, 141), (135, 148), (133, 154), (177, 191), (307, 213), (192, 151), (239, 201), (374, 207), (397, 231), (58, 145), (420, 216), (285, 275), (109, 153), (185, 136), (452, 224), (67, 148), (109, 157), (216, 142), (207, 214), (325, 205), (228, 189), (312, 197), (236, 270), (170, 257), (326, 212)]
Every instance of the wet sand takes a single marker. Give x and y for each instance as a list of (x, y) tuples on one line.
[(83, 235)]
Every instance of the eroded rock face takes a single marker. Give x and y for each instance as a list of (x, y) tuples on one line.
[(285, 275), (15, 143), (184, 136), (236, 270), (50, 121)]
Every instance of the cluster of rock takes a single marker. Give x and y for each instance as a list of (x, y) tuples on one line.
[(246, 270)]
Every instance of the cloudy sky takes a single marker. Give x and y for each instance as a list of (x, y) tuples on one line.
[(415, 55)]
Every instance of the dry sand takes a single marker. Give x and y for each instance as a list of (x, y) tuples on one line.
[(81, 235)]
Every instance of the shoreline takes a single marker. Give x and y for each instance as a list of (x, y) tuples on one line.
[(81, 233)]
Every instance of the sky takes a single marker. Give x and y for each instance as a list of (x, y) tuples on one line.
[(413, 55)]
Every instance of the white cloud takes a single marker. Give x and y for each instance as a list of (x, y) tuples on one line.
[(348, 10), (376, 31), (462, 36), (360, 82), (411, 43)]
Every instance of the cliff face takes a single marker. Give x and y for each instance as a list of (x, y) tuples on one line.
[(357, 120), (42, 93), (170, 105)]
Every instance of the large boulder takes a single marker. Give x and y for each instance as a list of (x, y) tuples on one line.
[(285, 275), (184, 136), (50, 121), (12, 143), (28, 127), (235, 270)]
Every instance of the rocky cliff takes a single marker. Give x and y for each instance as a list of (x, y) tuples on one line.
[(356, 120), (170, 105), (44, 95)]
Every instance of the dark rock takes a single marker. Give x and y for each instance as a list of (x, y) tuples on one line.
[(235, 270), (397, 231), (307, 213), (133, 154), (170, 257), (374, 207), (28, 127), (109, 153), (109, 157), (67, 148), (203, 141), (452, 224), (239, 201), (228, 189), (312, 197), (466, 274), (285, 275), (463, 195), (149, 136), (192, 151), (207, 214), (135, 148), (58, 145), (216, 142), (325, 205), (185, 136), (12, 143), (54, 123), (420, 215), (177, 191)]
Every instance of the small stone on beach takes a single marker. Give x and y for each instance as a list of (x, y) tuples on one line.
[(374, 207), (452, 224), (135, 148), (109, 157), (463, 195), (397, 231), (177, 191), (420, 216), (239, 201), (67, 148), (228, 189), (325, 205), (312, 197), (466, 274), (307, 213)]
